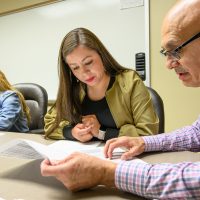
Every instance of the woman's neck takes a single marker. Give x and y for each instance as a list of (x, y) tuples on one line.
[(98, 92)]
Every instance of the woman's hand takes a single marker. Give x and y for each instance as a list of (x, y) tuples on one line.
[(82, 132), (92, 121)]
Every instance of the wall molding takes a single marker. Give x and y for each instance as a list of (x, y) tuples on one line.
[(9, 6)]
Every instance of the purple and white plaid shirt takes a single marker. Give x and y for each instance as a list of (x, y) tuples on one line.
[(164, 181)]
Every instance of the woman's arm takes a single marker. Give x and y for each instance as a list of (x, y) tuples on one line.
[(131, 106), (49, 120), (10, 110)]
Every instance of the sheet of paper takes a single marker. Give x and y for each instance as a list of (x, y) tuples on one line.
[(60, 149), (23, 149), (28, 149)]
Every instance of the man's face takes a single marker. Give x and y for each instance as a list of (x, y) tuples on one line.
[(188, 66)]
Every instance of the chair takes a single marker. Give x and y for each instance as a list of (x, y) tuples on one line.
[(37, 100), (159, 108)]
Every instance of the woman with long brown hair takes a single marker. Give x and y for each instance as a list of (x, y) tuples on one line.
[(97, 97)]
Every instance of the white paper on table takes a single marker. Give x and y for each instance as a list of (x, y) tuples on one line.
[(28, 149)]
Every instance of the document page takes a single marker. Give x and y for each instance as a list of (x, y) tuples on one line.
[(25, 149), (60, 149), (28, 149)]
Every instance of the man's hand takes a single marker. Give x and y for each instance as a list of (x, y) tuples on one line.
[(134, 145), (80, 171)]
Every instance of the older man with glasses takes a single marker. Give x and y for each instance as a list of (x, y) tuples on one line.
[(181, 46)]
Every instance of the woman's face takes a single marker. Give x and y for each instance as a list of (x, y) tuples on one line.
[(86, 65)]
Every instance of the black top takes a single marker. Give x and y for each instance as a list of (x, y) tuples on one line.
[(101, 110)]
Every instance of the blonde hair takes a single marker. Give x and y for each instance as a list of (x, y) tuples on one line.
[(5, 85)]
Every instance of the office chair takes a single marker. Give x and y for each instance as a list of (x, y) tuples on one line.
[(37, 100), (159, 108)]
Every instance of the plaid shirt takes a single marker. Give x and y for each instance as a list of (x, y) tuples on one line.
[(164, 181)]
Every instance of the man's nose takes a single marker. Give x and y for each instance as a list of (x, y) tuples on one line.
[(171, 63)]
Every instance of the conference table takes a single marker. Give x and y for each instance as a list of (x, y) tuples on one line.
[(20, 179)]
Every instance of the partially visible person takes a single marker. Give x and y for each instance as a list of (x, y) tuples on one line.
[(97, 97), (14, 113), (181, 46)]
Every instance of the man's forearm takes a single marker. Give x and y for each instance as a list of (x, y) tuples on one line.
[(160, 180), (186, 138)]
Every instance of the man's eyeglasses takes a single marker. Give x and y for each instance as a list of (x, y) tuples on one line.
[(175, 53)]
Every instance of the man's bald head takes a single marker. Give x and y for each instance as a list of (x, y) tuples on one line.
[(183, 20)]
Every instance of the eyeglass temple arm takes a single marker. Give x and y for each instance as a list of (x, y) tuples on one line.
[(187, 42)]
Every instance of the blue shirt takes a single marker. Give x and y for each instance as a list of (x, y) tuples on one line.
[(11, 114)]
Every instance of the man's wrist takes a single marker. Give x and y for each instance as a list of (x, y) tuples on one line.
[(108, 177), (152, 143)]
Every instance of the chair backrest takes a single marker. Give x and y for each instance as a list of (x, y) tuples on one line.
[(159, 108), (37, 100)]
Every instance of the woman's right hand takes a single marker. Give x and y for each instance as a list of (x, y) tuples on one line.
[(82, 133)]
